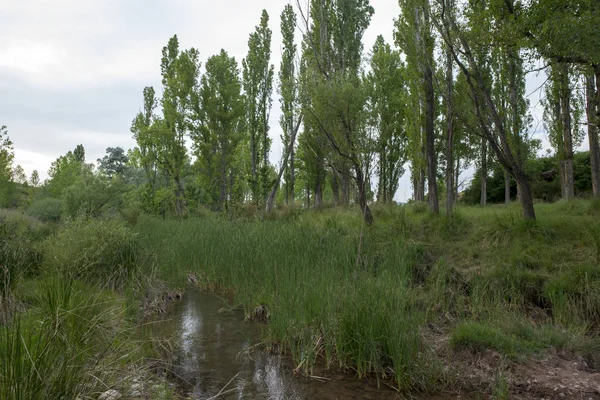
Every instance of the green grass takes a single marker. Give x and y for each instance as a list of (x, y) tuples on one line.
[(359, 298), (339, 293)]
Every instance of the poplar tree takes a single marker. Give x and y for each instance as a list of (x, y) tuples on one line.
[(258, 86)]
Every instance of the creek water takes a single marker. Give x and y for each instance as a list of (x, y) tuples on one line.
[(215, 357)]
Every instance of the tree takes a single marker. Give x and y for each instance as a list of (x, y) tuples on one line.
[(19, 175), (114, 162), (179, 70), (465, 41), (563, 111), (333, 50), (258, 85), (592, 123), (34, 181), (288, 90), (415, 37), (219, 109), (66, 170), (387, 99), (290, 120), (7, 156)]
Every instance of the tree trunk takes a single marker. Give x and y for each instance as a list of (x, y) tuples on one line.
[(307, 196), (362, 195), (254, 183), (525, 196), (335, 186), (179, 206), (593, 134), (566, 163), (456, 177), (430, 140), (506, 186), (484, 172), (288, 152), (346, 188), (420, 195), (292, 185), (318, 193), (450, 132)]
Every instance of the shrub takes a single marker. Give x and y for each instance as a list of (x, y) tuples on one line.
[(19, 254), (95, 251), (47, 210)]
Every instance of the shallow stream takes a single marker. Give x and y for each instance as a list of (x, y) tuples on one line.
[(213, 359)]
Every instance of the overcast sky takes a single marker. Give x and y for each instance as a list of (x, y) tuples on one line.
[(72, 71)]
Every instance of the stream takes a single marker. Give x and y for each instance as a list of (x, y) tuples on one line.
[(213, 358)]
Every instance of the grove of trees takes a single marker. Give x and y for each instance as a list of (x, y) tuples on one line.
[(447, 95)]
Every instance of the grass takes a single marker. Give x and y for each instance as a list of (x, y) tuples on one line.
[(367, 310), (66, 326), (362, 299)]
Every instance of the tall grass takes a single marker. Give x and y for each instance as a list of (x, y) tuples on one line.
[(326, 301), (359, 297), (68, 344)]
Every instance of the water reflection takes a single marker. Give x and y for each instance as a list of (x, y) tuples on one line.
[(213, 355)]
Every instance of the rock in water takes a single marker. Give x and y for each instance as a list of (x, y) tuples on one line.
[(111, 394)]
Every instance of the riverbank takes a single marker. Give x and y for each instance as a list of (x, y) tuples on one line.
[(480, 302), (426, 304)]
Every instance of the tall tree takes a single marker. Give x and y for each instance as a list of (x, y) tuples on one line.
[(179, 70), (290, 119), (258, 85), (465, 42), (449, 122), (387, 97), (114, 162), (333, 45), (146, 144), (592, 123), (7, 156), (220, 111)]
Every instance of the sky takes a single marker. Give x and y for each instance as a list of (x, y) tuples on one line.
[(72, 72)]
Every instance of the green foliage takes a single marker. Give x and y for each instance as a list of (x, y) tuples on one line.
[(544, 177), (6, 172), (93, 196), (19, 253), (575, 295), (477, 337), (219, 108), (258, 86), (114, 162), (47, 210), (103, 252), (67, 170), (66, 346)]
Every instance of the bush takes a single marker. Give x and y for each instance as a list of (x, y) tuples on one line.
[(98, 251), (19, 254), (47, 210)]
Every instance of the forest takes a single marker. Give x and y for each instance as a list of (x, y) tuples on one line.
[(486, 283)]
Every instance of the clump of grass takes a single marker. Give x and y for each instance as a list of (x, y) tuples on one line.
[(508, 227), (575, 295), (95, 251), (478, 336), (67, 345), (506, 287)]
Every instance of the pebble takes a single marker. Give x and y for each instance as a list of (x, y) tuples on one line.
[(111, 394)]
